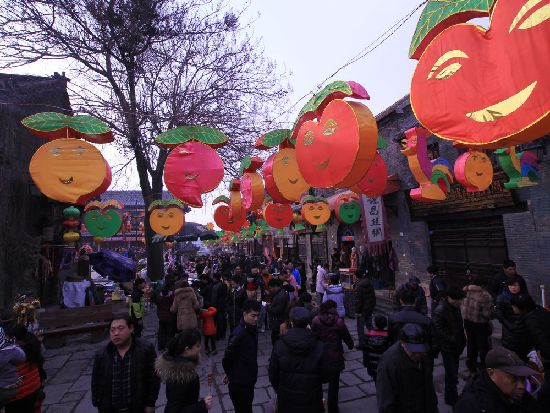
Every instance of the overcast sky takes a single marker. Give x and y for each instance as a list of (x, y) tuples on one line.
[(310, 40)]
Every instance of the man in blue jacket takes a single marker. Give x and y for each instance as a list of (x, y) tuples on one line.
[(240, 361)]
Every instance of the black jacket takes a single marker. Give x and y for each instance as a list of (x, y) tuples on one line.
[(219, 296), (376, 343), (396, 321), (514, 335), (498, 283), (182, 384), (364, 297), (421, 304), (437, 287), (481, 395), (296, 372), (404, 386), (537, 324), (144, 382), (277, 308), (449, 328), (240, 361), (235, 301)]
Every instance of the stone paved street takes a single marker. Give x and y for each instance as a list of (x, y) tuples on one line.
[(69, 375)]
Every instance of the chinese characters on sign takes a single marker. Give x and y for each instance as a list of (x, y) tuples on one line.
[(373, 214)]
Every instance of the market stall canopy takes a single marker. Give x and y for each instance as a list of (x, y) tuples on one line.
[(114, 266), (192, 231)]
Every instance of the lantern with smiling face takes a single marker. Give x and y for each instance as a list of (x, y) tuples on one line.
[(223, 218), (316, 211), (193, 167), (252, 186), (283, 181), (278, 215), (474, 171), (166, 217), (69, 169), (101, 218), (347, 208), (478, 87)]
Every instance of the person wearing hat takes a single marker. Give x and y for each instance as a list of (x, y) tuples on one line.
[(500, 387), (404, 376), (296, 367), (420, 297), (449, 328)]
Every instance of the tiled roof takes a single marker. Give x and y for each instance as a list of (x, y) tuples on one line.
[(401, 103), (132, 197)]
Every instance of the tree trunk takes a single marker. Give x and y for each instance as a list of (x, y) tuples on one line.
[(155, 259)]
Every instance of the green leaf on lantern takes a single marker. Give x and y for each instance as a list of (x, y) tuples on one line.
[(382, 143), (440, 14), (273, 139), (245, 163), (222, 199), (315, 101), (174, 203), (54, 125), (176, 136)]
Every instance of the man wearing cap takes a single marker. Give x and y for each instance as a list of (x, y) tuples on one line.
[(500, 387), (420, 298), (449, 329), (404, 376), (296, 367)]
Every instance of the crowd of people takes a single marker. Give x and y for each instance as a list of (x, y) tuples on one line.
[(235, 298)]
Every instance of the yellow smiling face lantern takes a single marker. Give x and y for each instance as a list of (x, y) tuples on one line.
[(166, 217), (474, 171), (483, 88), (316, 212), (69, 169)]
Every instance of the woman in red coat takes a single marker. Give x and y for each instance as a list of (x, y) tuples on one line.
[(209, 329)]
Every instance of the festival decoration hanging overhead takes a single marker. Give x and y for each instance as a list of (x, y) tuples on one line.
[(222, 218), (347, 208), (101, 218), (373, 183), (283, 180), (167, 217), (316, 211), (236, 208), (68, 169), (521, 168), (71, 224), (434, 177), (473, 169), (278, 215), (193, 167), (483, 88), (298, 221), (337, 146), (252, 186)]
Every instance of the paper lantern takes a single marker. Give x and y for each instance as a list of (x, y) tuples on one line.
[(298, 221), (434, 177), (71, 224), (166, 217), (373, 183), (236, 208), (337, 149), (193, 167), (347, 209), (474, 171), (483, 88), (521, 168), (316, 211), (101, 218), (222, 215), (278, 215), (252, 186)]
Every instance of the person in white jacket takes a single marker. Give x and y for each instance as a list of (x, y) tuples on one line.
[(321, 282)]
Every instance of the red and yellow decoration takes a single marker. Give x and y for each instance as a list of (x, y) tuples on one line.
[(483, 88), (222, 215), (166, 217), (69, 169), (71, 224), (316, 211), (473, 169), (193, 167), (252, 185), (278, 215), (373, 183)]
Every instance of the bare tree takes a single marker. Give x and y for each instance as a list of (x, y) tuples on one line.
[(145, 66)]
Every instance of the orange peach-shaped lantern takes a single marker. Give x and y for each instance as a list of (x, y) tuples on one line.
[(278, 215), (222, 215), (316, 211), (252, 186), (236, 208), (474, 171), (193, 167), (166, 217), (68, 169)]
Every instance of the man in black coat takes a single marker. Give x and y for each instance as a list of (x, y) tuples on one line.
[(277, 309), (219, 301), (414, 286), (449, 328), (408, 314), (437, 287), (499, 280), (296, 367), (404, 381), (240, 361), (235, 299), (365, 301), (500, 387), (123, 375)]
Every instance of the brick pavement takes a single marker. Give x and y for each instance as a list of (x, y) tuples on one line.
[(69, 376)]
